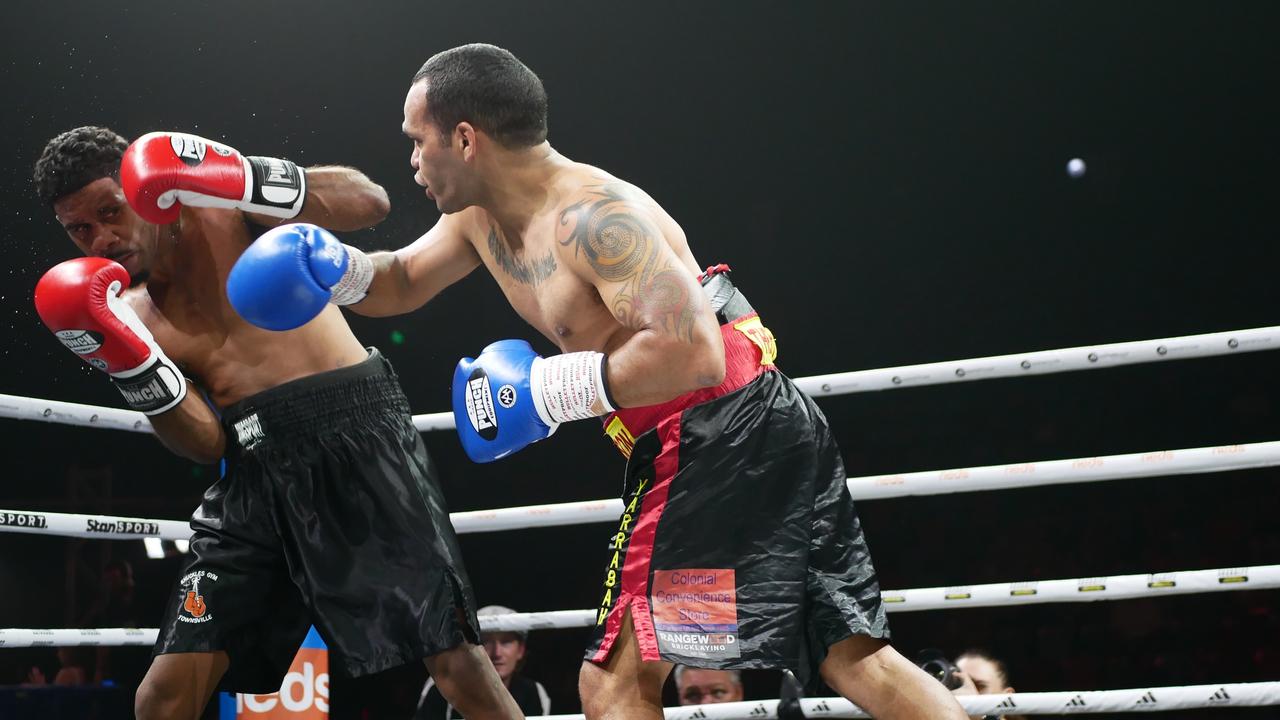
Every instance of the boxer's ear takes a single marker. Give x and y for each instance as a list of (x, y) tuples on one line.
[(464, 139)]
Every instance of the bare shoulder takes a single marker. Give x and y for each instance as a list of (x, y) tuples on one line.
[(599, 212)]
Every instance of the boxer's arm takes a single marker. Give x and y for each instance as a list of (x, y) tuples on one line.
[(404, 280), (338, 198), (616, 247), (192, 430)]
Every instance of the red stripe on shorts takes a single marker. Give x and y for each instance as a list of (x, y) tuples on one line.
[(634, 588)]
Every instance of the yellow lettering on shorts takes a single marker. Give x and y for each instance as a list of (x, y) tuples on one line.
[(621, 436), (761, 336), (613, 564)]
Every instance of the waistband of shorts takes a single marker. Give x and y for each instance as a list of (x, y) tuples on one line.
[(749, 352), (315, 403)]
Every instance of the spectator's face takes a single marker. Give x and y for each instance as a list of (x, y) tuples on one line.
[(698, 687), (506, 650), (984, 675)]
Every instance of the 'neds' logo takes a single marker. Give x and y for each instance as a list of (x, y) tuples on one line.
[(300, 692)]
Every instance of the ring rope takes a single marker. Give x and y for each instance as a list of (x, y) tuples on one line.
[(1088, 357), (1068, 702), (1114, 587), (872, 487)]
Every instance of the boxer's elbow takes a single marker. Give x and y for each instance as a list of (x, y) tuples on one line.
[(699, 364), (708, 365)]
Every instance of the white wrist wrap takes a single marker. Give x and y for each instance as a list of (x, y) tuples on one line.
[(354, 283), (566, 386)]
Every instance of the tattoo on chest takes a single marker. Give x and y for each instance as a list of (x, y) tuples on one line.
[(624, 247), (522, 271)]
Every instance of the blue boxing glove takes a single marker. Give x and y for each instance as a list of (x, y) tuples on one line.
[(288, 275), (510, 397)]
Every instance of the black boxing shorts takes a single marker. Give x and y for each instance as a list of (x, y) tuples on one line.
[(330, 514), (739, 545)]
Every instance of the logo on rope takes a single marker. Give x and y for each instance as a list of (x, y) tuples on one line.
[(1098, 584), (1007, 704), (1077, 702), (1231, 576), (123, 527), (1147, 699), (30, 520), (758, 711), (1220, 696), (1022, 589), (195, 608)]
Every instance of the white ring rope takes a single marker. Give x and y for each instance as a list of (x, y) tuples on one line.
[(1160, 463), (102, 527), (1070, 702), (1090, 357), (65, 413), (97, 637), (873, 487), (1115, 587), (1090, 589)]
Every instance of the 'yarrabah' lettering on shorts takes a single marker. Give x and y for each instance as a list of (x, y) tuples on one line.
[(613, 574)]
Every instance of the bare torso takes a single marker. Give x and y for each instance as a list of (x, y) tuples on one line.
[(530, 263), (187, 311)]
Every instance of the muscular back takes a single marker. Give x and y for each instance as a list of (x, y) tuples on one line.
[(532, 265), (185, 307)]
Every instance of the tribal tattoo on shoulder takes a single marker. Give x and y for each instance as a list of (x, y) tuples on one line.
[(527, 272), (623, 246)]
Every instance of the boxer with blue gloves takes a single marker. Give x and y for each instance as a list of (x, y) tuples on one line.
[(294, 414), (734, 487)]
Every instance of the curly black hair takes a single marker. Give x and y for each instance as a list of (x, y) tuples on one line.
[(76, 158)]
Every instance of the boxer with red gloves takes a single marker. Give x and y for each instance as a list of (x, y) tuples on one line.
[(296, 415), (731, 469)]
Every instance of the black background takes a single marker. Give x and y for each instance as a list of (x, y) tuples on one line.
[(888, 182)]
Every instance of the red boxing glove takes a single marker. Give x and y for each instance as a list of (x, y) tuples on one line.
[(162, 171), (79, 300)]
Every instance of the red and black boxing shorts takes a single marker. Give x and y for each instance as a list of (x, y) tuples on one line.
[(329, 513), (739, 545)]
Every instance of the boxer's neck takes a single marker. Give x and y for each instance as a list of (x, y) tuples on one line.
[(516, 186)]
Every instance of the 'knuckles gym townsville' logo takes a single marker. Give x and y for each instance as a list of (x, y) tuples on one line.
[(195, 608)]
